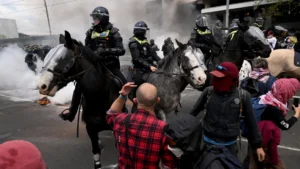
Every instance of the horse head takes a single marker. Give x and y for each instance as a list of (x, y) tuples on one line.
[(58, 65), (255, 40), (192, 64)]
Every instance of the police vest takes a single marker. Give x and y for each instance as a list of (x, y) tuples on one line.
[(144, 47), (206, 32), (102, 39)]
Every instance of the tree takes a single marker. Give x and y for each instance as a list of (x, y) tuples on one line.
[(280, 7)]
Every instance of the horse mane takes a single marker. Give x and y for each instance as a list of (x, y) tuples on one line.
[(78, 43), (169, 61)]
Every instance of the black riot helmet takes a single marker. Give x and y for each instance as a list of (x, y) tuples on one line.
[(201, 21), (259, 22), (236, 20), (102, 14), (140, 29)]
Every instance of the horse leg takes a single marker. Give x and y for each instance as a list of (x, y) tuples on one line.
[(93, 134)]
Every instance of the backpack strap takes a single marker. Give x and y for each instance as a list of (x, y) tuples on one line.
[(242, 98), (126, 123), (209, 95)]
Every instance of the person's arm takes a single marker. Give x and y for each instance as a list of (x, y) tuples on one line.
[(115, 109), (169, 161), (199, 106), (280, 120), (135, 53), (88, 38), (254, 133), (118, 49)]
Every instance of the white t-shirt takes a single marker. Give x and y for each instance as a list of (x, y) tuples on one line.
[(272, 41)]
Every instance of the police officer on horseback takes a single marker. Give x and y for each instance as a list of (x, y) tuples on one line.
[(142, 56), (107, 43), (202, 38), (259, 22)]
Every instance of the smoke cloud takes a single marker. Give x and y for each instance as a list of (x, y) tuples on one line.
[(19, 83), (166, 18)]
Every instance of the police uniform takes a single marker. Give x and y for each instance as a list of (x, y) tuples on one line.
[(202, 37), (108, 46), (142, 55)]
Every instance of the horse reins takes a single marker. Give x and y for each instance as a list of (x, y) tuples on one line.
[(68, 67)]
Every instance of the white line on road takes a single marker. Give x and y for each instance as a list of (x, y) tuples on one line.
[(16, 98), (281, 146)]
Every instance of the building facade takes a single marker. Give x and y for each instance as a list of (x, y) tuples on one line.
[(8, 29)]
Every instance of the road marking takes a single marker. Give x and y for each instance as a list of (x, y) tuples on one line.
[(280, 146), (16, 98)]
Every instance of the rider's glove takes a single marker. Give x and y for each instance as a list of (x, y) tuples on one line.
[(100, 52)]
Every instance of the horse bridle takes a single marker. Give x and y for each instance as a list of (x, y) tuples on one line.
[(61, 76)]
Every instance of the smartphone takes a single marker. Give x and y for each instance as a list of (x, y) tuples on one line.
[(296, 102)]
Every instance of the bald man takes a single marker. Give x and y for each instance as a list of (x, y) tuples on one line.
[(139, 136)]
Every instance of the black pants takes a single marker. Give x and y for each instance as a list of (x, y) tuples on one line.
[(75, 100), (119, 74), (138, 79)]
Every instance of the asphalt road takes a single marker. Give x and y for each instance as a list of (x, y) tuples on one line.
[(60, 148)]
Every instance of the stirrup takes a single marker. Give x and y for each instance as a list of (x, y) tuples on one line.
[(64, 116), (97, 164)]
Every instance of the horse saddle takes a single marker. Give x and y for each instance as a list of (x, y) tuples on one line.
[(297, 59), (116, 80)]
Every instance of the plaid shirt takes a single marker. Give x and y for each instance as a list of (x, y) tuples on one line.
[(146, 141)]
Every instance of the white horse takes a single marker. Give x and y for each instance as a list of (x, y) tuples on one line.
[(245, 70)]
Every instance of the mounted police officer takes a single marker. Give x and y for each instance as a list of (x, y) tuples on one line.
[(259, 22), (168, 46), (202, 38), (233, 28), (107, 43), (142, 55), (217, 32)]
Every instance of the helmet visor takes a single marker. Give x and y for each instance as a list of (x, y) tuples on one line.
[(202, 22)]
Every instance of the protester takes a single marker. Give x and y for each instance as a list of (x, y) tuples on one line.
[(139, 137), (19, 154), (184, 133), (273, 119), (223, 104), (272, 40)]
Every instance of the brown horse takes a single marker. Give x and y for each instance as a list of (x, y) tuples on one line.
[(282, 61)]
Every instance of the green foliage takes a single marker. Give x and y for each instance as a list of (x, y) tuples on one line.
[(277, 9)]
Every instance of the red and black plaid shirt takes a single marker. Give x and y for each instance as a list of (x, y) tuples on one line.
[(146, 141)]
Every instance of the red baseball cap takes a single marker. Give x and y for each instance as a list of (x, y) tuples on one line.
[(226, 69), (19, 154)]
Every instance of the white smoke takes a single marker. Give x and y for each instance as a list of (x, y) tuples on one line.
[(19, 83)]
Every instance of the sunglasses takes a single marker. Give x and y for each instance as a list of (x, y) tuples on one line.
[(221, 68)]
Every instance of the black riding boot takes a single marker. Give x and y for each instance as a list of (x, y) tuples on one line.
[(70, 116)]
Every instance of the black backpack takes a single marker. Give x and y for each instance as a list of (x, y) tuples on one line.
[(217, 157), (251, 85)]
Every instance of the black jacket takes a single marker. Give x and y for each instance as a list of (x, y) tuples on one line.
[(222, 119), (106, 42), (205, 41), (142, 54), (275, 115)]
